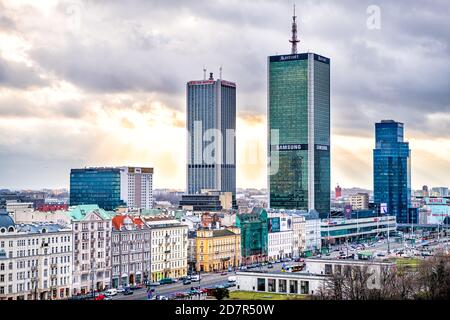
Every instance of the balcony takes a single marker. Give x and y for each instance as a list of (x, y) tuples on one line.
[(53, 265)]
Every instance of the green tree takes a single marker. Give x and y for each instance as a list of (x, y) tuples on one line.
[(220, 293)]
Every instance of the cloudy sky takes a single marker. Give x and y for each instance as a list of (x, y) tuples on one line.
[(102, 83)]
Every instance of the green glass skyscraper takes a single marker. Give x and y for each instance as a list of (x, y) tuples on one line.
[(299, 130)]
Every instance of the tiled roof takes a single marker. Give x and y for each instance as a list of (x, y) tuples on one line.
[(80, 212)]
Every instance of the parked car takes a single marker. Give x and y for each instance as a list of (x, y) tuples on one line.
[(195, 278), (120, 289), (224, 273), (111, 292), (166, 281), (127, 292), (270, 266)]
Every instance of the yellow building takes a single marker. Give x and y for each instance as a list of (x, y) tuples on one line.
[(218, 250)]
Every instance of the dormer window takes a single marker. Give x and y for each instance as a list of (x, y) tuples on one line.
[(11, 229)]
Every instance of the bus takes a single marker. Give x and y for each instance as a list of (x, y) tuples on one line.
[(294, 268)]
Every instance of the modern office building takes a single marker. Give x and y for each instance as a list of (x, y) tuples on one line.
[(299, 131), (211, 124), (208, 200), (110, 188), (392, 171)]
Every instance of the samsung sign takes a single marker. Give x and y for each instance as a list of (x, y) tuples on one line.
[(289, 147)]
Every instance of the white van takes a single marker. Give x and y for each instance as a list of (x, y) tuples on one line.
[(110, 292), (232, 279)]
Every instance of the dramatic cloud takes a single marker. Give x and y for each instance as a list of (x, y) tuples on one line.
[(87, 83)]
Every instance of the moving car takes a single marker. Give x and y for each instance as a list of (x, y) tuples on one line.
[(187, 281), (232, 279)]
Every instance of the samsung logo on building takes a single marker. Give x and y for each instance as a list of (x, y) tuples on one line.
[(288, 147), (321, 147)]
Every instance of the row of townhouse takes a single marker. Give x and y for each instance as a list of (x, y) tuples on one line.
[(87, 249)]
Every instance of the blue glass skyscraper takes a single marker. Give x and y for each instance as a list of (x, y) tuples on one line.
[(392, 171)]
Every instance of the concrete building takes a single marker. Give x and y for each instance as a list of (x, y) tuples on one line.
[(91, 248), (35, 260), (280, 237), (359, 201), (310, 280), (312, 233), (208, 200), (14, 208), (217, 250), (136, 187), (130, 251), (169, 245), (298, 235)]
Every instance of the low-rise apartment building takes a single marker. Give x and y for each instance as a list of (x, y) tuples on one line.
[(35, 260)]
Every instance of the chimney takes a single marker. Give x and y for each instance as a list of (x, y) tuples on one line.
[(211, 76)]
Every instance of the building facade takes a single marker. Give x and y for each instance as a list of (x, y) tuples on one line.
[(35, 260), (136, 187), (218, 250), (169, 247), (91, 249), (211, 111), (254, 235), (392, 171), (130, 254), (359, 201), (299, 132), (110, 188)]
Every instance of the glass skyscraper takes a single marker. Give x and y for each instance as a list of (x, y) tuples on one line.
[(99, 186), (392, 171), (211, 124), (299, 132)]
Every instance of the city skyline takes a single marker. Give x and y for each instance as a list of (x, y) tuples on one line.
[(107, 87)]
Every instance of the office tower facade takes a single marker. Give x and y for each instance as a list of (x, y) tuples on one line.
[(392, 171), (110, 188), (299, 132), (211, 124)]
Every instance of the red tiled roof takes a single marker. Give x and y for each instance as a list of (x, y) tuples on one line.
[(117, 221)]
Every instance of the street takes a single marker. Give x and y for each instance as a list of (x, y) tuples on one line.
[(207, 280)]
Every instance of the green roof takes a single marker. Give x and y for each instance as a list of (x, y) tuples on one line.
[(152, 212), (79, 212)]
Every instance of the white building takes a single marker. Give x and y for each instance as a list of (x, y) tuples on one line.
[(280, 236), (136, 187), (312, 228), (169, 247), (13, 208), (359, 201), (35, 260), (92, 248), (298, 235)]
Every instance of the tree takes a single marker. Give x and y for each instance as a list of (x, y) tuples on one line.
[(220, 293)]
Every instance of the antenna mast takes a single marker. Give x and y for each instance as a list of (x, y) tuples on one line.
[(294, 39), (220, 73), (204, 73)]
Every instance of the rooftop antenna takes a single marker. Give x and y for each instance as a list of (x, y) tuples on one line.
[(220, 73), (204, 73), (294, 39)]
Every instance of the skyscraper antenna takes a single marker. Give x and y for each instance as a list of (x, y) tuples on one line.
[(294, 39), (220, 73), (204, 73)]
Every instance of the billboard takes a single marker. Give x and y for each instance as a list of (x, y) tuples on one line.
[(383, 208), (348, 211), (274, 224), (286, 224)]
